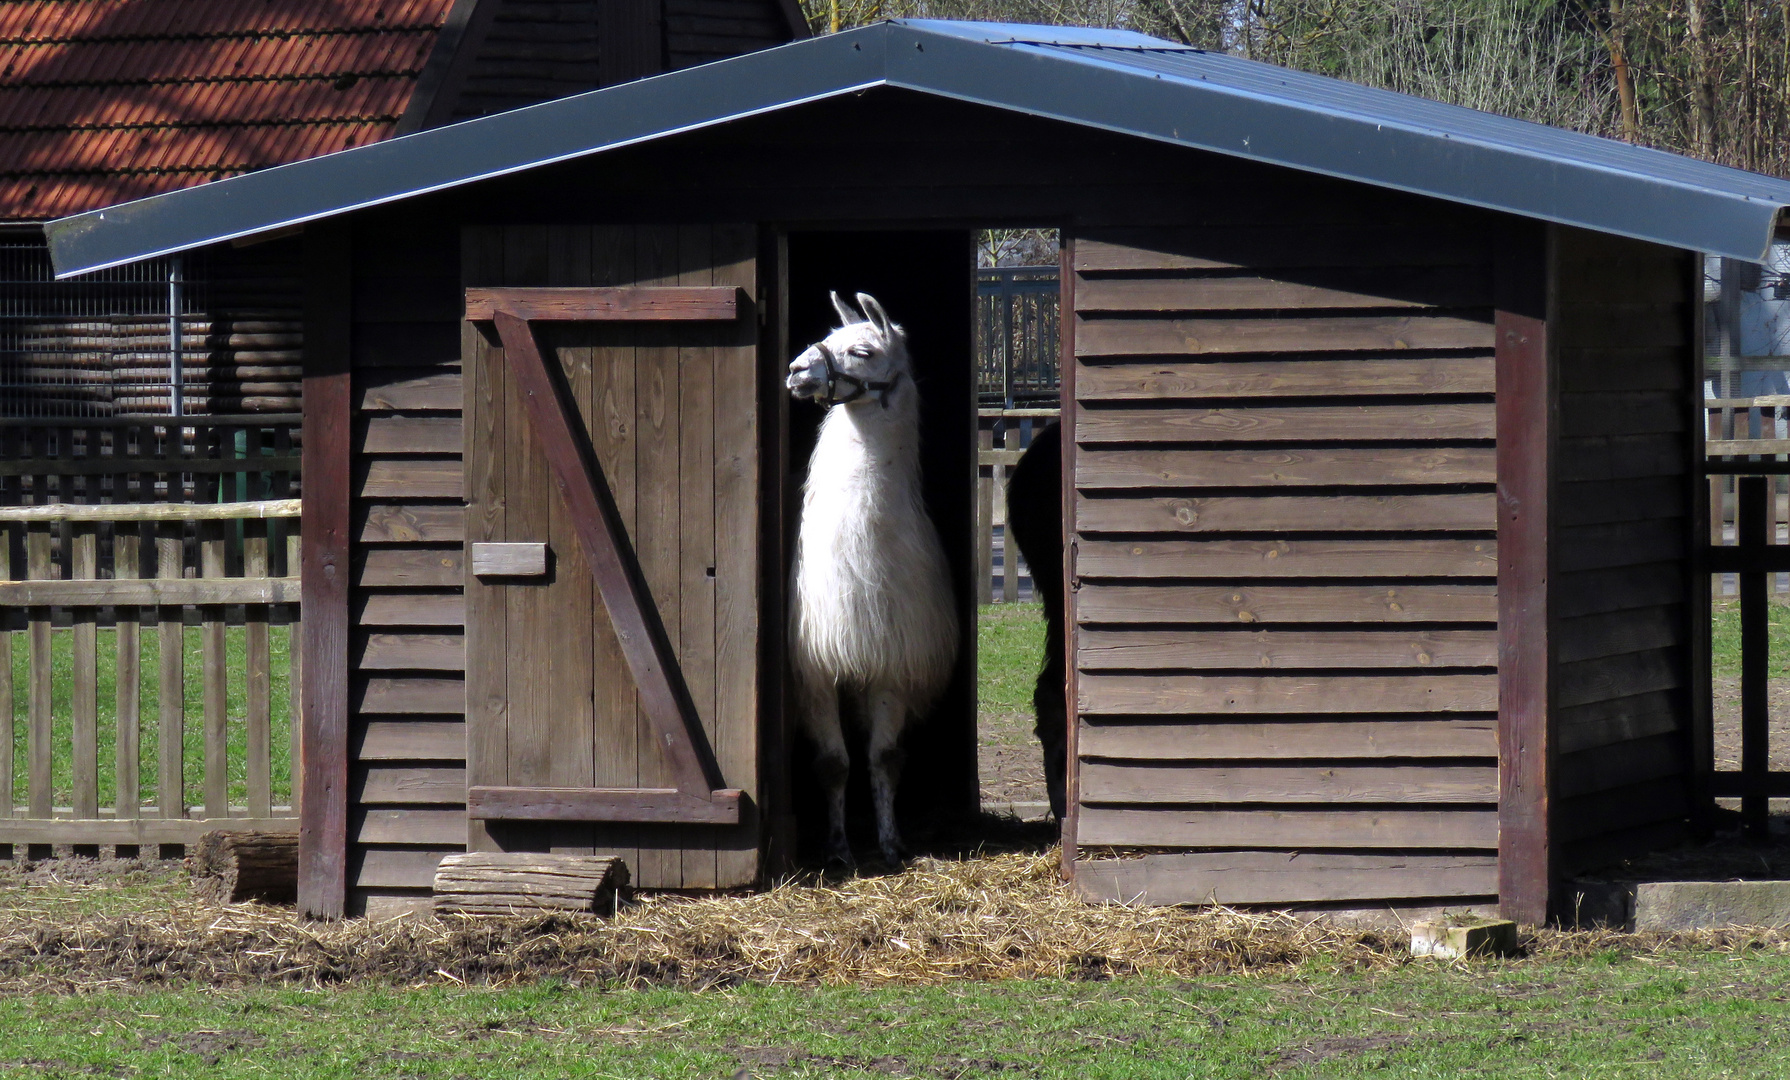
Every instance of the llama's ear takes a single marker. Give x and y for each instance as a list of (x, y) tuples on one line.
[(876, 316), (846, 315)]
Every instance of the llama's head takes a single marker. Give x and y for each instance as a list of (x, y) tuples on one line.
[(863, 360)]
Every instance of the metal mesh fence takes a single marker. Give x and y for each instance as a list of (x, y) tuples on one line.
[(93, 346)]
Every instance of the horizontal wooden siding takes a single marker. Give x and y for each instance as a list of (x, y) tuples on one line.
[(407, 755), (1285, 565), (1621, 631)]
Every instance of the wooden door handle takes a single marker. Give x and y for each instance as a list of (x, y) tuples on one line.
[(509, 560)]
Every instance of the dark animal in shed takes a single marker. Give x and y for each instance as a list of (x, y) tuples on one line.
[(1035, 525)]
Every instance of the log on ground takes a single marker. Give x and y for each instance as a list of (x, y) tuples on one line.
[(237, 866), (520, 883)]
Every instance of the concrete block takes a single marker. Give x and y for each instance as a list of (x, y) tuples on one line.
[(1454, 939), (1708, 905)]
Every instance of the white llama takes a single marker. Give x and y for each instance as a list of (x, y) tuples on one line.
[(871, 610)]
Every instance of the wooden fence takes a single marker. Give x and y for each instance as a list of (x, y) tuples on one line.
[(1749, 555), (152, 577), (997, 562), (1731, 443)]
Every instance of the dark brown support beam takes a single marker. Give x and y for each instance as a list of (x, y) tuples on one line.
[(667, 806), (1068, 413), (1753, 530), (775, 516), (636, 303), (614, 566), (1700, 732), (1526, 431), (328, 435)]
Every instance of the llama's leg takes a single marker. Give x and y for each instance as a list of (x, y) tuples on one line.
[(832, 764), (1052, 730), (888, 715), (1050, 707)]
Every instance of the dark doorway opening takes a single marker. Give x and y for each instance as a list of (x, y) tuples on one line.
[(926, 281)]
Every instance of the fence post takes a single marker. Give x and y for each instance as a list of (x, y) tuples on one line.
[(1009, 550), (37, 740), (214, 679), (127, 553), (984, 518), (84, 678), (257, 673), (170, 555), (1754, 513)]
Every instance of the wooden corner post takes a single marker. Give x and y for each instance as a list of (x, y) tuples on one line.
[(1527, 426), (328, 425), (1700, 734), (1068, 413)]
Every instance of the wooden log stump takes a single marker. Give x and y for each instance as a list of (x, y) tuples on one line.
[(522, 883), (233, 867)]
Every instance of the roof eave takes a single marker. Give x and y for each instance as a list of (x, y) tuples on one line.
[(1086, 88), (1342, 145), (551, 132)]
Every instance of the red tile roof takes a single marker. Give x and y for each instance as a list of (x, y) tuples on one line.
[(107, 100)]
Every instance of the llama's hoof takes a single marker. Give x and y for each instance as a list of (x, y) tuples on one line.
[(894, 853), (840, 858)]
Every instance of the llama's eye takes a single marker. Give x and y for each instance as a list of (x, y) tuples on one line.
[(862, 352)]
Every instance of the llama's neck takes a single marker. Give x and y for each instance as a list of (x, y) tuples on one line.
[(866, 446)]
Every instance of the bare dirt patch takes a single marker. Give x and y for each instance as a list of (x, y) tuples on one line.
[(1319, 1051), (212, 1047), (1008, 757), (1727, 722)]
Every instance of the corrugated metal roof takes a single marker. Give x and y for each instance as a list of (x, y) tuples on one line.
[(1113, 80), (107, 100)]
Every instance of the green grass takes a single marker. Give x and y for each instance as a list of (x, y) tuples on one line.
[(1668, 1013), (1009, 645), (1725, 638), (193, 734), (1700, 1015)]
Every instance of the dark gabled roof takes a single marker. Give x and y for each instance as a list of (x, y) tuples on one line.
[(1111, 80)]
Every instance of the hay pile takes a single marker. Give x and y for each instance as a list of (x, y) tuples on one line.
[(999, 917)]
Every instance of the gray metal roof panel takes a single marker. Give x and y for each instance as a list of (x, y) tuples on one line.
[(1109, 79)]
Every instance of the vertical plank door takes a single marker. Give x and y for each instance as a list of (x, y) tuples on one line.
[(661, 416)]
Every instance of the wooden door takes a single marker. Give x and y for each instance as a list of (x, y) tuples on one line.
[(580, 738)]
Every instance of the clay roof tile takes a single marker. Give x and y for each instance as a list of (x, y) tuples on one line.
[(107, 100)]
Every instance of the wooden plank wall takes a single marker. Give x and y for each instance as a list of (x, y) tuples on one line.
[(698, 31), (407, 789), (539, 50), (1284, 562), (1621, 526)]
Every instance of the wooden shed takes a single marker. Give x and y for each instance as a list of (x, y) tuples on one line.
[(1382, 516)]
